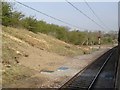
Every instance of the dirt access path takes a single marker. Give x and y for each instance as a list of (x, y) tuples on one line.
[(52, 70)]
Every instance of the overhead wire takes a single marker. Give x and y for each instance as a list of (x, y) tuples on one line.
[(84, 14), (49, 15), (96, 15)]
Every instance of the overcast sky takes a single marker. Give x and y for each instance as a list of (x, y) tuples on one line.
[(106, 11)]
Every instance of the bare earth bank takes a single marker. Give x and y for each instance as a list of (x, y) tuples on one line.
[(54, 78)]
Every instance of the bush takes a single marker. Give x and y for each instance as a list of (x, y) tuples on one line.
[(17, 19)]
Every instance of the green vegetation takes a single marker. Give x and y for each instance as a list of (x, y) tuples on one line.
[(14, 18), (39, 40), (26, 38)]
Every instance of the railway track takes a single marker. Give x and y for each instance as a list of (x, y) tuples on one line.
[(100, 74)]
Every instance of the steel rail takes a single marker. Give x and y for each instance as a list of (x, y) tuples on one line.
[(72, 79), (97, 75)]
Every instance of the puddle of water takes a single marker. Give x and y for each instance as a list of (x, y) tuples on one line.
[(46, 71), (51, 72), (62, 68)]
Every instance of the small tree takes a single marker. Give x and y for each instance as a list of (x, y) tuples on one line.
[(16, 19), (6, 13), (30, 23)]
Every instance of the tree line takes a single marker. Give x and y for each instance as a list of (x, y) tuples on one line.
[(17, 19)]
